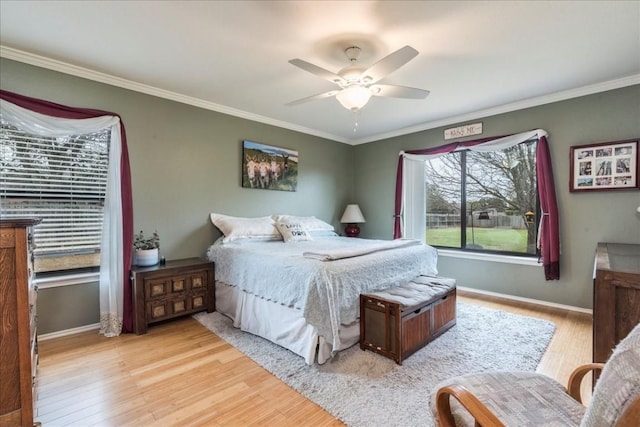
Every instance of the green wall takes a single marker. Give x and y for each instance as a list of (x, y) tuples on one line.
[(185, 163), (585, 218), (67, 307)]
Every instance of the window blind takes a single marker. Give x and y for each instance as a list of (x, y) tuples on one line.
[(62, 180)]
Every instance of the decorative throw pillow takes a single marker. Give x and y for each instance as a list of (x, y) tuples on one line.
[(293, 232), (235, 228), (310, 223)]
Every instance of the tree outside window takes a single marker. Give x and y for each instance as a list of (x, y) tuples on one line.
[(483, 201)]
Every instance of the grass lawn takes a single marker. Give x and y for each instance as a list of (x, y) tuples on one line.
[(501, 239)]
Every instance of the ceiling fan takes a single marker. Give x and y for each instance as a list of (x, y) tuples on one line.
[(358, 84)]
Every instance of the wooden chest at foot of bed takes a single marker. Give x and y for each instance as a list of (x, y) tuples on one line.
[(399, 321)]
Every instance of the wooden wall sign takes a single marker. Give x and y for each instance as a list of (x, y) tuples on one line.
[(462, 131)]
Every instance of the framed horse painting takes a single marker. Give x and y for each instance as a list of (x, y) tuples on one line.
[(266, 167)]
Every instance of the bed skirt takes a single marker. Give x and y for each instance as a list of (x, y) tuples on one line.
[(282, 325)]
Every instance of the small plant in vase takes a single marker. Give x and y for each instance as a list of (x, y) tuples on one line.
[(147, 248)]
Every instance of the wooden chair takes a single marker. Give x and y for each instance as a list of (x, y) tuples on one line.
[(529, 399)]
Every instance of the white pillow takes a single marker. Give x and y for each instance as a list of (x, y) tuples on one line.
[(235, 228), (293, 232), (310, 223)]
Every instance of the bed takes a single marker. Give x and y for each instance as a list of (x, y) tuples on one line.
[(299, 285)]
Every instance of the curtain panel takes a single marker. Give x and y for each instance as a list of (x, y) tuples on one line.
[(548, 233), (50, 119)]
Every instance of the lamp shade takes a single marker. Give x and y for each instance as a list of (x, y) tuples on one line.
[(354, 97), (352, 215)]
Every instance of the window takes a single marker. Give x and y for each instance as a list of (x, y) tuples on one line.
[(62, 180), (483, 200)]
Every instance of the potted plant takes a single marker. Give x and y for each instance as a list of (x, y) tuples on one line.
[(147, 248)]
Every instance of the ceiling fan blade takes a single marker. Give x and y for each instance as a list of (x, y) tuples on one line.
[(389, 64), (318, 71), (393, 91), (313, 98)]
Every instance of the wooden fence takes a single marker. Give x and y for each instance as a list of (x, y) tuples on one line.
[(495, 221)]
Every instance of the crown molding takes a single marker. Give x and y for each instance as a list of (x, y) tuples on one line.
[(506, 108), (74, 70)]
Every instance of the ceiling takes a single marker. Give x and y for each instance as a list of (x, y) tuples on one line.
[(477, 58)]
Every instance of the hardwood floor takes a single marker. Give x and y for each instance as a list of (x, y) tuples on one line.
[(179, 373)]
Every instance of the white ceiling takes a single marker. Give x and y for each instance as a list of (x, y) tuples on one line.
[(476, 57)]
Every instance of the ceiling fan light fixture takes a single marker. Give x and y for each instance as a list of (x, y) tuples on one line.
[(357, 84), (354, 97), (352, 53)]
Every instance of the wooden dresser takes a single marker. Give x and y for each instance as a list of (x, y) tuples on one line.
[(165, 291), (616, 296), (18, 339)]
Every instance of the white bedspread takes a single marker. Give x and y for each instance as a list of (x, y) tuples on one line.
[(335, 254), (326, 292)]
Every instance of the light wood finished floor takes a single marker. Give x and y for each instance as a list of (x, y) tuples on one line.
[(181, 374)]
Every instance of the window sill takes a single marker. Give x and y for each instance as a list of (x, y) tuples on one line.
[(67, 280), (509, 259)]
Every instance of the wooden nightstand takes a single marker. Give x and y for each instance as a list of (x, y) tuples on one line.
[(177, 288)]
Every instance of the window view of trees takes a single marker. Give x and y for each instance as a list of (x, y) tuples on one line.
[(62, 180), (483, 201)]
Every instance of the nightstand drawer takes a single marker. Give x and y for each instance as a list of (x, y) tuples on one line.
[(167, 308), (156, 288), (164, 309), (198, 301), (199, 280), (161, 287)]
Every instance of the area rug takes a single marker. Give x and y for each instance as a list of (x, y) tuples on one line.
[(362, 388)]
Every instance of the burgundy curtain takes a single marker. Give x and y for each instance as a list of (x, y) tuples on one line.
[(66, 112), (548, 234), (397, 212)]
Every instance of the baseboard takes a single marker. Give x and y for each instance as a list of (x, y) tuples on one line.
[(528, 300), (66, 332), (94, 326)]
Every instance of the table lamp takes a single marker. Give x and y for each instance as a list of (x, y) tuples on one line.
[(352, 216)]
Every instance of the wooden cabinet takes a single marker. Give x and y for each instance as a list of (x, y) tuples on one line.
[(616, 296), (177, 288), (18, 323)]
